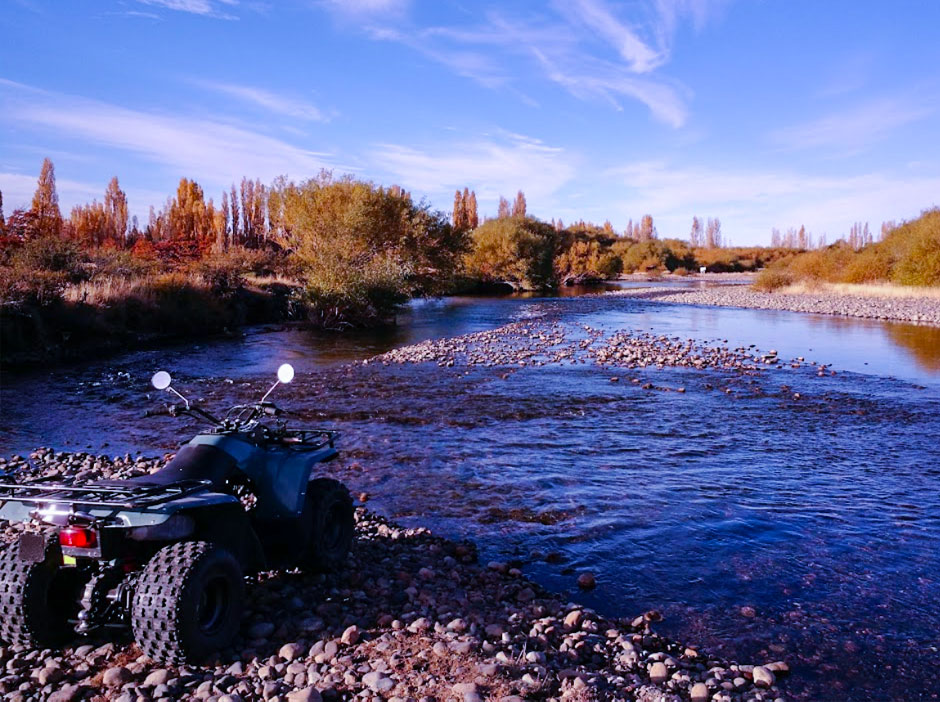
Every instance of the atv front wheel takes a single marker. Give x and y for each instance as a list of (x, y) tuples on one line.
[(37, 599), (328, 525), (188, 602)]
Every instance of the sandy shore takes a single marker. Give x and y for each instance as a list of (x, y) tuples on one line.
[(919, 310), (413, 617)]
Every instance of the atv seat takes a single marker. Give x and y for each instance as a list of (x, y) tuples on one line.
[(200, 462)]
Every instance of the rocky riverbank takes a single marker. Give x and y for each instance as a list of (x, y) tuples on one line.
[(541, 343), (925, 310), (413, 616)]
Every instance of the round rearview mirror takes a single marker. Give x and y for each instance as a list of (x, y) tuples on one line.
[(161, 380), (285, 373)]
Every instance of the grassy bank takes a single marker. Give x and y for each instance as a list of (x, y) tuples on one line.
[(909, 255)]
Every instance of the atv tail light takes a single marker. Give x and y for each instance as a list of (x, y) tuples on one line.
[(78, 537)]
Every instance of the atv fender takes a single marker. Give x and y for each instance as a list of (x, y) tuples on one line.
[(227, 525)]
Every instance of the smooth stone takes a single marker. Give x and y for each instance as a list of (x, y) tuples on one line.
[(763, 677)]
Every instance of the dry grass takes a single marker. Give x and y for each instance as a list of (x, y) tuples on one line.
[(101, 291), (882, 290)]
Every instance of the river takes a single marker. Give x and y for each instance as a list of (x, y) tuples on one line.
[(763, 527)]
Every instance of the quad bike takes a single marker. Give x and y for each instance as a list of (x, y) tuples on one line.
[(167, 553)]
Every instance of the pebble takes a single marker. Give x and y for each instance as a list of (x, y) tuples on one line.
[(118, 676)]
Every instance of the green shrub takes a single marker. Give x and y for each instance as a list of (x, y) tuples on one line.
[(916, 245), (51, 254), (515, 250), (363, 250), (773, 278), (870, 265)]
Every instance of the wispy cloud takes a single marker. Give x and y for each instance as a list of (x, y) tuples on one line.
[(494, 165), (206, 8), (278, 104), (599, 19), (366, 7), (207, 149), (852, 129), (562, 45)]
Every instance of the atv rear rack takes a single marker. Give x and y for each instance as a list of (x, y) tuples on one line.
[(131, 496)]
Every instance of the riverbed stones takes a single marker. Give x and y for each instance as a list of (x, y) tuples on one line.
[(382, 630), (918, 310)]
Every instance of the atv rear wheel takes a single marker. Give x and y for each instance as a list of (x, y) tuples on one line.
[(188, 602), (328, 525), (37, 599)]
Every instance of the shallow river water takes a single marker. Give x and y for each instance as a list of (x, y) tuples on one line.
[(762, 526)]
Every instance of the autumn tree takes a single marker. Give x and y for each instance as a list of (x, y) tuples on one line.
[(253, 206), (457, 218), (364, 249), (3, 223), (518, 205), (45, 204), (859, 235), (503, 210), (713, 233), (188, 216), (88, 224), (235, 231), (776, 240), (695, 236), (647, 232), (115, 207), (473, 214), (628, 232)]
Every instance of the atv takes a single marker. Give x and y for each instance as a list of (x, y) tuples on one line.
[(167, 553)]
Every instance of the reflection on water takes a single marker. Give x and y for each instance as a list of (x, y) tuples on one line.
[(821, 512), (922, 342)]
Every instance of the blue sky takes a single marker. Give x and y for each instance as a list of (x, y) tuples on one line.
[(765, 113)]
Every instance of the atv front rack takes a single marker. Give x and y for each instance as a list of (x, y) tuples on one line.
[(131, 496), (307, 439)]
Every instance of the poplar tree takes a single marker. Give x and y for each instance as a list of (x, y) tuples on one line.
[(45, 206), (503, 210), (472, 212), (115, 206), (235, 238), (518, 206), (226, 218), (647, 230), (3, 222), (458, 217), (695, 235)]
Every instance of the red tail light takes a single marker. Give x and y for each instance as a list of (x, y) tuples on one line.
[(78, 537)]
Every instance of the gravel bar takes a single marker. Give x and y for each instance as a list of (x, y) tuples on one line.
[(900, 309), (413, 617)]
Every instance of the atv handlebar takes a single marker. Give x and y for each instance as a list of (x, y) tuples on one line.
[(176, 410)]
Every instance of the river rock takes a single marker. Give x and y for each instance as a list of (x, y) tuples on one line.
[(699, 692), (308, 694), (763, 677), (587, 581), (118, 676), (658, 672)]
